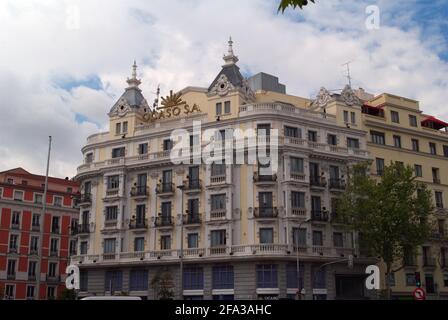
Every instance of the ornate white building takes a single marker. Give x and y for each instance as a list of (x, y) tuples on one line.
[(243, 235)]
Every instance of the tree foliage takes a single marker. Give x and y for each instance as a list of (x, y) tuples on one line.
[(162, 283), (392, 213), (67, 294), (284, 4)]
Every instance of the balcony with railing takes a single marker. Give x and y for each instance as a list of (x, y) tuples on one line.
[(35, 227), (53, 279), (192, 185), (263, 179), (319, 215), (217, 214), (112, 192), (83, 228), (11, 276), (298, 212), (138, 224), (318, 182), (297, 176), (139, 191), (165, 189), (218, 179), (164, 221), (84, 199), (192, 219), (266, 212), (337, 184), (55, 230)]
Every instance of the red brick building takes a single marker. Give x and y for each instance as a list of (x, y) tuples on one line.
[(21, 219)]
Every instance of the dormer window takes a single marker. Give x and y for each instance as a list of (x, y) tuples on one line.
[(89, 157)]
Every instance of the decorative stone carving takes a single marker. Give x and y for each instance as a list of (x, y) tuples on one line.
[(248, 92), (322, 99), (222, 86), (121, 108), (349, 97)]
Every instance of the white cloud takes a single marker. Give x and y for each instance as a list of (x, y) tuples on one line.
[(180, 43)]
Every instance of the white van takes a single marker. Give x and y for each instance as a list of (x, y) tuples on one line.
[(111, 298)]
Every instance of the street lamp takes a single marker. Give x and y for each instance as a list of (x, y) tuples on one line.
[(298, 262), (181, 257)]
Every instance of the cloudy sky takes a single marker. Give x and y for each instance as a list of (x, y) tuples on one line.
[(64, 63)]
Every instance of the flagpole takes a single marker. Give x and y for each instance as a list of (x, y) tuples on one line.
[(42, 221)]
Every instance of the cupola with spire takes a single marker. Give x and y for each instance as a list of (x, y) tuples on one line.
[(132, 99)]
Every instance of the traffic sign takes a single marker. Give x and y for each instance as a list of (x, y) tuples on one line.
[(419, 294)]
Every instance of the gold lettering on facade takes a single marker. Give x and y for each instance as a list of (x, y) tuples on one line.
[(172, 106)]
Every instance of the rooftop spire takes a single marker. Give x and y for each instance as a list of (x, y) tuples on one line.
[(230, 58), (133, 82)]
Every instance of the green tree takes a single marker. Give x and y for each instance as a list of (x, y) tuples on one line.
[(292, 3), (391, 213), (162, 283), (67, 294)]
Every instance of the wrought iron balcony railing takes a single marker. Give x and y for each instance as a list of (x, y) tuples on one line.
[(165, 187), (138, 224), (319, 215), (137, 191), (264, 178), (318, 182), (194, 218), (338, 184), (164, 221), (266, 212), (192, 184)]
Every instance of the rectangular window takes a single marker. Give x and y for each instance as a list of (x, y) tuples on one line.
[(89, 158), (397, 141), (37, 198), (57, 201), (291, 132), (34, 245), (113, 281), (418, 170), (219, 108), (379, 166), (30, 292), (436, 175), (432, 148), (83, 247), (11, 269), (118, 152), (319, 276), (412, 121), (52, 269), (18, 195), (143, 148), (109, 245), (415, 145), (296, 165), (338, 240), (125, 127), (317, 238), (312, 136), (113, 182), (15, 220), (55, 224), (167, 177), (139, 244), (10, 292), (345, 116), (222, 277), (353, 117), (166, 209), (32, 266), (112, 213), (227, 107), (13, 243), (267, 276), (439, 199), (264, 129), (332, 139), (266, 235), (218, 238), (299, 237), (54, 246), (193, 240), (218, 202), (218, 169), (138, 280), (429, 283), (378, 137), (165, 242), (291, 275), (297, 199), (352, 143), (193, 278), (167, 144), (118, 128), (73, 247), (395, 117)]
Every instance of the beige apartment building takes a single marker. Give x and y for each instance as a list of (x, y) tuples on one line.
[(238, 234), (398, 130)]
